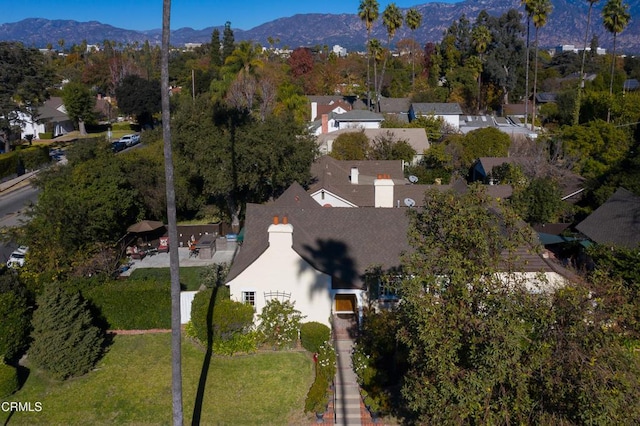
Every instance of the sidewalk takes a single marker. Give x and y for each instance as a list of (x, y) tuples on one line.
[(15, 182)]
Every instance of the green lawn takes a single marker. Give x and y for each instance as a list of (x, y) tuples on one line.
[(189, 276), (132, 385)]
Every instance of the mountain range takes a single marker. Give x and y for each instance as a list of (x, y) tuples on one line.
[(565, 25)]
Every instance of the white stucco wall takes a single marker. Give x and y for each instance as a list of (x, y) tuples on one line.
[(358, 125), (280, 268)]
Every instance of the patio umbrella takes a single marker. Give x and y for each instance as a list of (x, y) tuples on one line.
[(145, 226)]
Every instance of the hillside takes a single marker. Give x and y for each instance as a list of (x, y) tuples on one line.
[(566, 25)]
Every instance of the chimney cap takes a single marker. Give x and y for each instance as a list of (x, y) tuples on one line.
[(276, 220)]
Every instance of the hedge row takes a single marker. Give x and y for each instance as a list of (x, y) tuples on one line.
[(8, 380), (133, 304), (31, 158)]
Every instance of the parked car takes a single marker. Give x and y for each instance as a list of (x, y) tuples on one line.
[(118, 146), (16, 259), (130, 140)]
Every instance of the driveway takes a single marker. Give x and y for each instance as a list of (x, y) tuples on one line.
[(225, 251)]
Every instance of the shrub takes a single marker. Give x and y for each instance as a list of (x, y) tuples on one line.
[(15, 325), (239, 343), (326, 365), (279, 324), (66, 342), (313, 335), (225, 318), (317, 398), (8, 380), (133, 305), (45, 135), (34, 157)]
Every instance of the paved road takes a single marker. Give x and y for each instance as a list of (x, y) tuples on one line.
[(13, 205)]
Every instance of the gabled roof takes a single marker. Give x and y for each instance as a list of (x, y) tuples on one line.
[(358, 115), (616, 222), (334, 176), (295, 196), (395, 105), (450, 108), (52, 110), (354, 101), (417, 138), (342, 243)]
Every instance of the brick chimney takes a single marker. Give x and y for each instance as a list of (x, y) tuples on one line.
[(383, 191), (353, 176), (325, 124), (280, 233)]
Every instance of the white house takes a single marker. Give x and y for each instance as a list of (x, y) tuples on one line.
[(449, 112), (320, 258), (49, 117)]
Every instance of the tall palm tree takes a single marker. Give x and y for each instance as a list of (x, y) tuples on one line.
[(529, 11), (392, 21), (541, 11), (576, 112), (176, 341), (480, 38), (615, 17), (413, 19), (375, 50), (368, 12)]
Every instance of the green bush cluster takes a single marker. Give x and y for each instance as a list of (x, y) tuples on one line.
[(279, 324), (240, 343), (66, 341), (31, 158), (46, 135), (133, 304), (15, 325), (122, 126), (313, 335), (317, 398), (318, 395), (8, 380), (227, 322)]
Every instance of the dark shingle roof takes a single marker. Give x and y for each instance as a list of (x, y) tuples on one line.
[(451, 108), (345, 242), (341, 242), (617, 221)]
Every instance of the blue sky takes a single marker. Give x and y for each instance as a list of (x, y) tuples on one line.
[(197, 14)]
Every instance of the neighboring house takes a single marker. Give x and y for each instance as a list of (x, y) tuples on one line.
[(396, 107), (417, 138), (615, 222), (358, 119), (345, 183), (449, 112), (319, 258), (50, 117), (571, 185), (508, 125), (355, 119), (339, 106)]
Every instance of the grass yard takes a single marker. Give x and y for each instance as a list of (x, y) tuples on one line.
[(189, 276), (132, 385)]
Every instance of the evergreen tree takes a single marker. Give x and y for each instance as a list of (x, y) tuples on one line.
[(66, 342), (215, 53), (228, 42)]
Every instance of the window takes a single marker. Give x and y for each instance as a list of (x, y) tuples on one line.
[(388, 287), (249, 297)]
